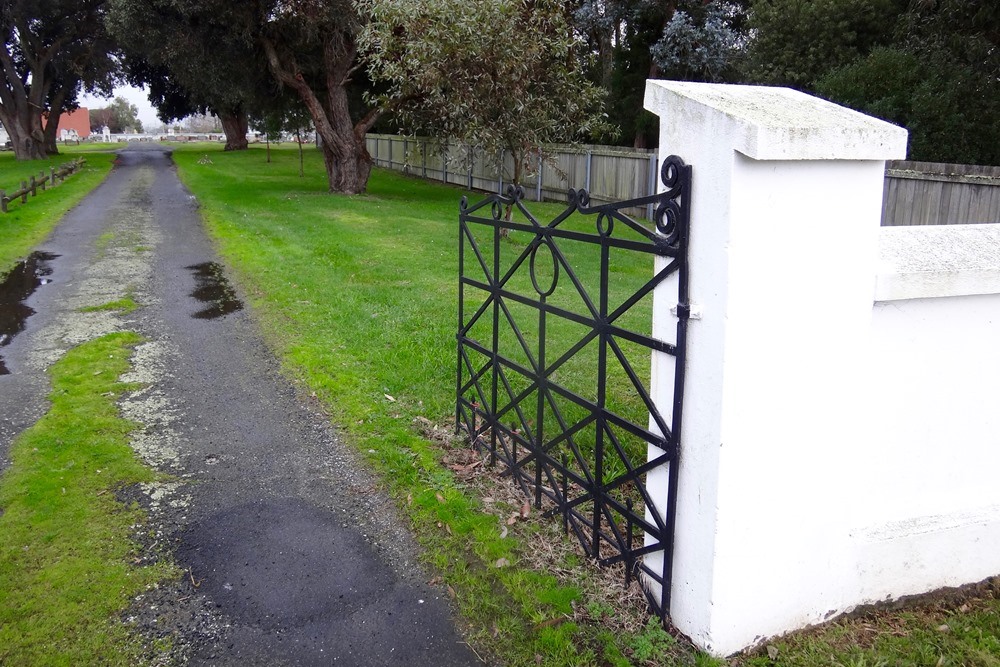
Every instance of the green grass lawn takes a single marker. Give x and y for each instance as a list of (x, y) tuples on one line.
[(358, 295), (26, 225)]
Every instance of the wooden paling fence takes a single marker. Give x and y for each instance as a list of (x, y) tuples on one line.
[(916, 193), (31, 185), (608, 173), (930, 193)]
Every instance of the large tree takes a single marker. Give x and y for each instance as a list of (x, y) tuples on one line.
[(51, 48), (443, 73), (195, 57)]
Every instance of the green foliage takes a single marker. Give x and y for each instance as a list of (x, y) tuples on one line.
[(950, 110), (119, 116), (66, 547), (448, 68), (797, 41), (652, 644)]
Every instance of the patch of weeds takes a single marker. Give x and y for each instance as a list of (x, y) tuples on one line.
[(143, 248), (125, 306), (653, 644), (66, 551)]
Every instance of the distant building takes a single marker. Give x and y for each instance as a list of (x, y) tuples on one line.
[(4, 137), (74, 125)]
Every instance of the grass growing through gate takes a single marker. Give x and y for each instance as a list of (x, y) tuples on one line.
[(65, 542), (358, 295), (25, 226)]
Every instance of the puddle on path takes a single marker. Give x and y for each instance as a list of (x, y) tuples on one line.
[(212, 288), (19, 284)]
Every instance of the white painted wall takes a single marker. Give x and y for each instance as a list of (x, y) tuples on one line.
[(839, 435)]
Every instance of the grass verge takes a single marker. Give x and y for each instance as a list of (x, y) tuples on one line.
[(25, 226), (65, 542)]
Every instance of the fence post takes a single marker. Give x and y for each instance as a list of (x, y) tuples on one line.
[(24, 192), (590, 160), (42, 180), (406, 158), (423, 157), (3, 201), (538, 185), (470, 156), (34, 187), (444, 162), (52, 175)]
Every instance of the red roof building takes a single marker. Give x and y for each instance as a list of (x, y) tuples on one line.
[(74, 124)]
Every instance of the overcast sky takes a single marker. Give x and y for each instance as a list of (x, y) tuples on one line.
[(136, 96)]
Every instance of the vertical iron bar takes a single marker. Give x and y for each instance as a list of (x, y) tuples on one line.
[(496, 341), (652, 184), (565, 495), (602, 369), (680, 362), (461, 323), (539, 440), (629, 560)]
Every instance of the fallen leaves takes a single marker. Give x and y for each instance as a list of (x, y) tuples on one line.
[(501, 562)]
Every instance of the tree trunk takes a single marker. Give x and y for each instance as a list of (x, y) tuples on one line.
[(51, 133), (348, 163), (298, 140), (347, 174), (235, 125), (26, 145)]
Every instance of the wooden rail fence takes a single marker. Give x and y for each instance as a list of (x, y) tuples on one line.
[(33, 184), (916, 193)]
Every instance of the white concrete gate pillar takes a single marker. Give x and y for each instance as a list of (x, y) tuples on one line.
[(785, 213)]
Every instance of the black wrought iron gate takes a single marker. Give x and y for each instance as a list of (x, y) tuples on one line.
[(569, 442)]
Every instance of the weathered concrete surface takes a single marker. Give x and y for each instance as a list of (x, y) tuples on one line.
[(291, 555)]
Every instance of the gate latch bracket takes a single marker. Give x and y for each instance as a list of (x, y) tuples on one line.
[(693, 311)]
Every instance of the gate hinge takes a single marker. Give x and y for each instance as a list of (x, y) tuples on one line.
[(689, 311)]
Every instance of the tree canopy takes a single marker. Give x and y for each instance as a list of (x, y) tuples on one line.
[(444, 74), (119, 116), (51, 50)]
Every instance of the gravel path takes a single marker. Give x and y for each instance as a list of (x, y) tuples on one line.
[(291, 554)]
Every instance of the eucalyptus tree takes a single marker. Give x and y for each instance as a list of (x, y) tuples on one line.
[(51, 49), (500, 75)]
